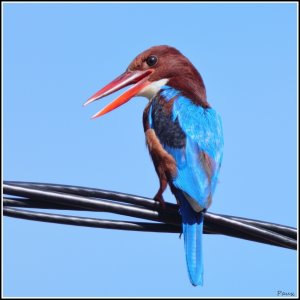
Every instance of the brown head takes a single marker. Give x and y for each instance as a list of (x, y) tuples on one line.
[(159, 65)]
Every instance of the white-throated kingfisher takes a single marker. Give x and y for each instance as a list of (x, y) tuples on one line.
[(183, 134)]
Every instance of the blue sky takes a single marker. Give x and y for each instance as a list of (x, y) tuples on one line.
[(57, 55)]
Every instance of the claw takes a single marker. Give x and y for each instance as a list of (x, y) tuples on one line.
[(158, 197)]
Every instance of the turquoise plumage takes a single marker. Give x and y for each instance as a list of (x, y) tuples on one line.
[(193, 184)]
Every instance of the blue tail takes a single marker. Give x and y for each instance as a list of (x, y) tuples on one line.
[(192, 227)]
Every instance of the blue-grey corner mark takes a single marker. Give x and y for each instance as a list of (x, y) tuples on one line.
[(285, 294)]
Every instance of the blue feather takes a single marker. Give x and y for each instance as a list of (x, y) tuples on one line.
[(192, 228), (193, 189), (203, 129)]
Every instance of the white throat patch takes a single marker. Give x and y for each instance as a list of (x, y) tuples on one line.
[(151, 90)]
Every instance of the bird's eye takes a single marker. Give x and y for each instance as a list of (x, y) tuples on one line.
[(151, 60)]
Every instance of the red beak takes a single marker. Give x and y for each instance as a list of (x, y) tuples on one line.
[(140, 78)]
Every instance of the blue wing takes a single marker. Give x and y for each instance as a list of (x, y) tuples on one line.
[(203, 149)]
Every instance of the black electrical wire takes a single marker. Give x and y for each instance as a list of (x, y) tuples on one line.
[(90, 222), (54, 196), (284, 230), (92, 192), (113, 224), (267, 236), (55, 200), (145, 202), (60, 200), (90, 203), (17, 202), (28, 203)]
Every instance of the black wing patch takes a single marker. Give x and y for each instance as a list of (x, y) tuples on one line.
[(168, 131)]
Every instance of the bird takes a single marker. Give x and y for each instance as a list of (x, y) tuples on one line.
[(183, 133)]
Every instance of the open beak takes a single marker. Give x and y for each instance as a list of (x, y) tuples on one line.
[(138, 78)]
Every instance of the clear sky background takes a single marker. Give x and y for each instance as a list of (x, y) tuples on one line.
[(57, 55)]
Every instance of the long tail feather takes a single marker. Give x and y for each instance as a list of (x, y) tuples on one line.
[(192, 227)]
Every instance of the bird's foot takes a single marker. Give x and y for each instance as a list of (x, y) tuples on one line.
[(158, 197)]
